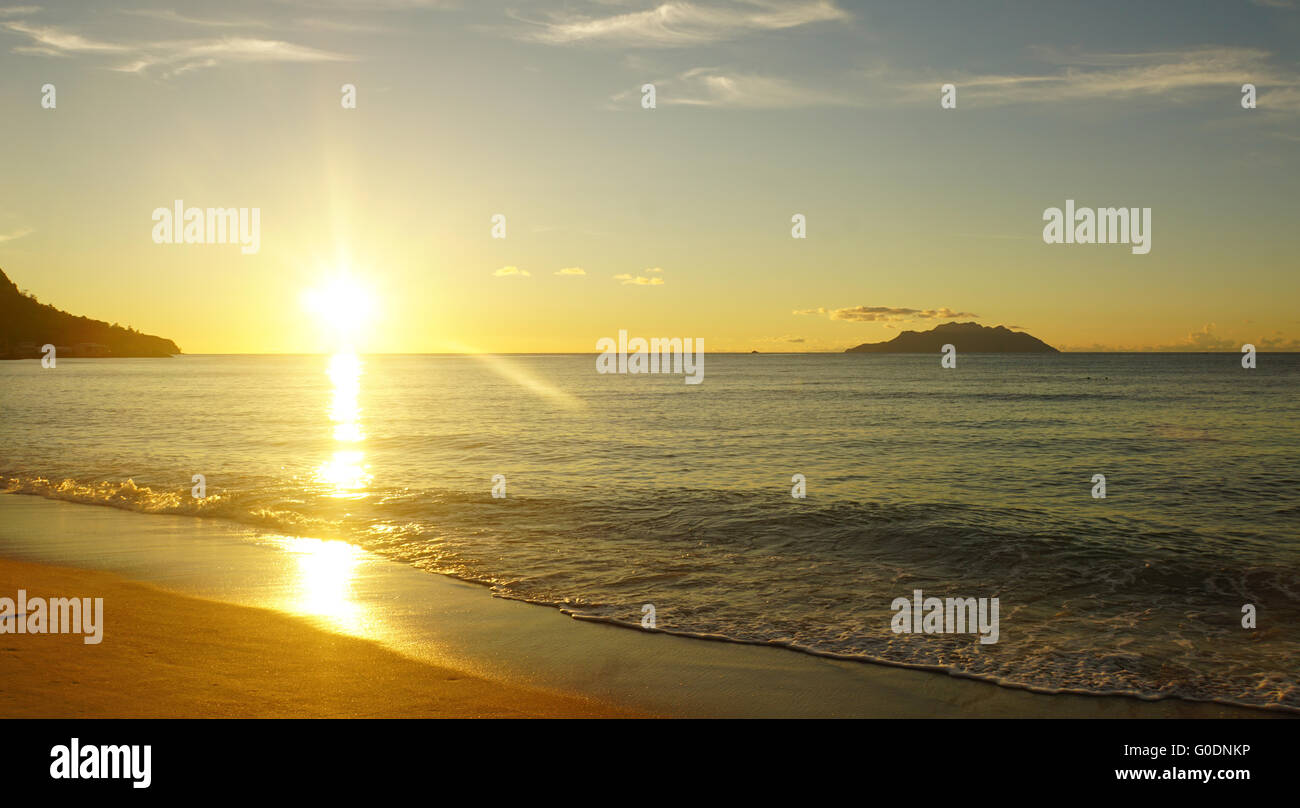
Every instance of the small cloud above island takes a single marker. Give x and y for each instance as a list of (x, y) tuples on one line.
[(887, 314)]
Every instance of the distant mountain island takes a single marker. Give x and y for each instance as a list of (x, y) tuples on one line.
[(26, 325), (966, 337)]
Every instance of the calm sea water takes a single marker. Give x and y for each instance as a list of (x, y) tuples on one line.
[(632, 490)]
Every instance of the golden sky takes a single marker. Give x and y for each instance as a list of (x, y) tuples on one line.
[(672, 221)]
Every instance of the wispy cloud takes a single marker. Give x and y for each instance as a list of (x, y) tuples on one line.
[(168, 15), (886, 314), (174, 56), (506, 272), (711, 87), (24, 231), (1083, 75), (571, 271), (180, 57), (677, 24), (61, 41)]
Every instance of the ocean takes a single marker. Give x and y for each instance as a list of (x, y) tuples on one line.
[(622, 491)]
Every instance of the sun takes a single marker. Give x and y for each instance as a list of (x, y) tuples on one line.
[(343, 307)]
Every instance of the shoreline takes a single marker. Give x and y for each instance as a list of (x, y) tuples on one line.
[(421, 626)]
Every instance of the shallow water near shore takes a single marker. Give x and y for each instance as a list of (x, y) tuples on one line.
[(453, 624), (624, 491)]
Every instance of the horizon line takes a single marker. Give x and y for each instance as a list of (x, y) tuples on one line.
[(712, 353)]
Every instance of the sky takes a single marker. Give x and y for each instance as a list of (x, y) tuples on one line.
[(671, 221)]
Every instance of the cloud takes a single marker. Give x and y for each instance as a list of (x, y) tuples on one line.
[(348, 27), (168, 15), (710, 87), (185, 56), (505, 272), (678, 24), (887, 314), (62, 41), (1277, 341), (25, 231), (1281, 98), (571, 271), (18, 11), (655, 269), (180, 56), (638, 280), (1085, 75), (706, 87), (1203, 339), (867, 314)]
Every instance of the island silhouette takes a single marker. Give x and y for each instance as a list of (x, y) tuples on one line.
[(26, 325), (966, 337)]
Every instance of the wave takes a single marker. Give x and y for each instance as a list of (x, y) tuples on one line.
[(128, 496), (949, 670), (1100, 603)]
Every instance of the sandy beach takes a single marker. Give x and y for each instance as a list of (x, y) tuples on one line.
[(206, 618), (168, 656)]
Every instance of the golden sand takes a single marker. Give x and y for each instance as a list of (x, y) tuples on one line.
[(168, 655)]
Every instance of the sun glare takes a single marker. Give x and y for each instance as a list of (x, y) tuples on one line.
[(326, 573), (342, 306), (346, 473)]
